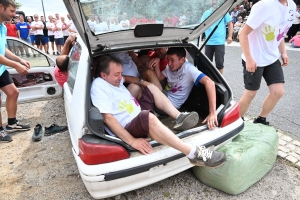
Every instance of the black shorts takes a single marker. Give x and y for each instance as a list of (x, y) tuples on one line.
[(51, 38), (39, 39), (5, 79), (272, 74), (218, 51)]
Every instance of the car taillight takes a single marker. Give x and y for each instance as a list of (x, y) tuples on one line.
[(231, 115), (92, 154)]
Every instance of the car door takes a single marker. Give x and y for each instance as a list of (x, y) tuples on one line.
[(39, 83)]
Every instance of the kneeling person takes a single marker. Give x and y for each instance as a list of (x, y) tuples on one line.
[(130, 118)]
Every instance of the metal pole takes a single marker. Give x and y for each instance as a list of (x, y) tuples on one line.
[(43, 10)]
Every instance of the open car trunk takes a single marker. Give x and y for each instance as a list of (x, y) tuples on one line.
[(197, 101)]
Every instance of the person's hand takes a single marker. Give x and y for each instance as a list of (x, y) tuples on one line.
[(142, 145), (25, 63), (229, 40), (285, 59), (72, 37), (251, 65), (211, 120), (153, 63), (21, 69)]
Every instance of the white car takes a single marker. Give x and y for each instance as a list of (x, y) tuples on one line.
[(106, 164)]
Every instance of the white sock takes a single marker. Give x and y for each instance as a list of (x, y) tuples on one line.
[(192, 153)]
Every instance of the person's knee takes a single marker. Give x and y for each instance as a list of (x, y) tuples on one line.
[(135, 90), (277, 93), (250, 94), (152, 119), (13, 93)]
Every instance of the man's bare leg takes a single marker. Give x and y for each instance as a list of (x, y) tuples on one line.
[(245, 101), (150, 76), (164, 135), (12, 94), (276, 92)]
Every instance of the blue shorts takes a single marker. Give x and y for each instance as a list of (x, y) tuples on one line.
[(28, 40), (59, 41), (46, 38), (39, 39), (32, 38)]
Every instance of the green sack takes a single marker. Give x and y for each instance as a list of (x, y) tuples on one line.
[(250, 156)]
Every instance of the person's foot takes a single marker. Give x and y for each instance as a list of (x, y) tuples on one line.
[(53, 53), (207, 158), (47, 52), (28, 55), (57, 53), (17, 127), (186, 121), (54, 128), (4, 137), (34, 55), (260, 120)]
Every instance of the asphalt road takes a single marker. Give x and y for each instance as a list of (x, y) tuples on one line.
[(286, 115)]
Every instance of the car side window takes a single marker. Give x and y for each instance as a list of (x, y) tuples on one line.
[(27, 53), (73, 64)]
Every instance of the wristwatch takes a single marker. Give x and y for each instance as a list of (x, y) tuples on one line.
[(140, 81)]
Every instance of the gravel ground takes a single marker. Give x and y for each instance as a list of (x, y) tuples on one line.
[(47, 169)]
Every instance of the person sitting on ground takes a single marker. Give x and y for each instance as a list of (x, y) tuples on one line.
[(295, 40), (129, 115), (62, 61), (181, 76), (236, 27)]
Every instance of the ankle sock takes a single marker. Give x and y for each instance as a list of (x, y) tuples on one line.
[(11, 121), (191, 155)]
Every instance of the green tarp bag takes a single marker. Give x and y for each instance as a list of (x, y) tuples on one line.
[(250, 156)]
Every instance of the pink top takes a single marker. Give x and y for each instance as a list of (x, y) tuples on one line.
[(296, 40), (60, 77)]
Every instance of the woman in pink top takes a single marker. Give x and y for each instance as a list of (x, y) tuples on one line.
[(296, 40), (62, 61)]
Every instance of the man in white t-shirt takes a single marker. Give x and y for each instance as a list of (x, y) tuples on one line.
[(91, 22), (37, 28), (262, 42), (65, 26), (72, 28), (50, 27), (125, 22), (181, 76), (129, 117), (58, 36)]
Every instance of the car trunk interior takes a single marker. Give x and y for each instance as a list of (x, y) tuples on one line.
[(197, 100)]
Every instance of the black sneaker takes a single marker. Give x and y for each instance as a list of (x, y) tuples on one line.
[(260, 121), (47, 52), (57, 53), (17, 127), (53, 53), (37, 133), (54, 128), (28, 55), (34, 55), (4, 137), (186, 121), (207, 158)]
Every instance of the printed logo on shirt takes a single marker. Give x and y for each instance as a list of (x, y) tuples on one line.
[(269, 34), (175, 88), (281, 35), (125, 106)]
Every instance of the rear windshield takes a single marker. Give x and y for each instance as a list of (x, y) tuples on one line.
[(116, 15)]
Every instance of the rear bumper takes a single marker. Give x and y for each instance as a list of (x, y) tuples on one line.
[(117, 182)]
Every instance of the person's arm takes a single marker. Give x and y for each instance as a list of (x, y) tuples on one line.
[(230, 31), (209, 85), (244, 42), (68, 43), (291, 40), (18, 34), (155, 64), (14, 61), (284, 56), (66, 26), (140, 144), (136, 80), (135, 59)]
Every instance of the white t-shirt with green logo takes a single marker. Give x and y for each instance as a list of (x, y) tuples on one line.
[(114, 100), (270, 21)]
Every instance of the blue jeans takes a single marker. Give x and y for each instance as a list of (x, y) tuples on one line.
[(294, 45), (28, 40)]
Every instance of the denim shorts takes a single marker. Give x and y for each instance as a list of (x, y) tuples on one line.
[(32, 38), (28, 40), (46, 38), (59, 41)]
